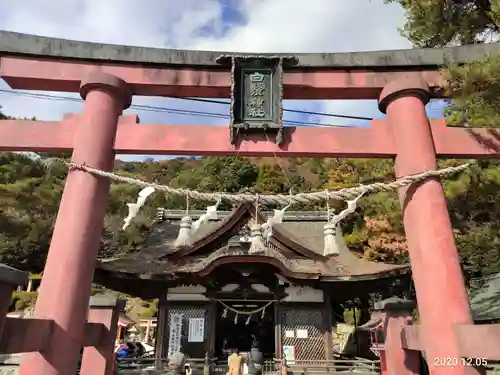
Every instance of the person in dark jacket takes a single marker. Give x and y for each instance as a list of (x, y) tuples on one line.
[(255, 360), (126, 351), (139, 350), (226, 352)]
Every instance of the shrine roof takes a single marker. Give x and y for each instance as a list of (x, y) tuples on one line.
[(295, 248), (25, 44), (485, 300)]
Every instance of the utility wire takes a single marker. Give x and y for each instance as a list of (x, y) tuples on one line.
[(285, 110), (148, 108)]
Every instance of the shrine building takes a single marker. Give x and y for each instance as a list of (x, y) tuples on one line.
[(205, 290)]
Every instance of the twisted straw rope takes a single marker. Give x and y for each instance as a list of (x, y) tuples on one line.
[(281, 199), (251, 312)]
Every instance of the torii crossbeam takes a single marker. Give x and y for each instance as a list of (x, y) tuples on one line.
[(107, 76)]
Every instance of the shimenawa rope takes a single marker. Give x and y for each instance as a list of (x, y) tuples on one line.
[(342, 194), (251, 312)]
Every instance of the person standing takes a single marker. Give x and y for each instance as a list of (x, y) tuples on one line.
[(255, 361), (235, 363), (225, 350)]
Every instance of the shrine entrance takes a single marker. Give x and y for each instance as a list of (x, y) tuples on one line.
[(238, 331), (107, 76), (246, 298)]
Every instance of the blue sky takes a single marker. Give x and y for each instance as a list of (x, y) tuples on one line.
[(224, 25)]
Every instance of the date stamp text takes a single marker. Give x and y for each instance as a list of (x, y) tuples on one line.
[(454, 361)]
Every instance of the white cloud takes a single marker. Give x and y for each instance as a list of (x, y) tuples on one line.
[(225, 25), (314, 26)]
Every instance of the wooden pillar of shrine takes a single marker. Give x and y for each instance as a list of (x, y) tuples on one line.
[(327, 317), (161, 344), (439, 284), (67, 278), (278, 333)]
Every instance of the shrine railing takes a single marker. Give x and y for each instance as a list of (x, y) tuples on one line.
[(359, 366), (199, 366)]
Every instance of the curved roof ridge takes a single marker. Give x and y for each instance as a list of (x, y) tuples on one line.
[(281, 235), (231, 252), (34, 45), (346, 259), (345, 266), (366, 266), (225, 225), (234, 220)]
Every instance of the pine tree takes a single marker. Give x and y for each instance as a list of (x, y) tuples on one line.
[(473, 87)]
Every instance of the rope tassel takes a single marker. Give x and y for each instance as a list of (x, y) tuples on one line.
[(331, 247), (188, 228), (257, 244), (247, 322), (184, 237), (276, 219), (334, 241)]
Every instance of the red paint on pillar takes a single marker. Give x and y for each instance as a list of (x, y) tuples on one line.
[(439, 284), (99, 359), (67, 279), (399, 360), (383, 363)]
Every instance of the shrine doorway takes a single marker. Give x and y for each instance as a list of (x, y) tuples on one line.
[(246, 295), (235, 330)]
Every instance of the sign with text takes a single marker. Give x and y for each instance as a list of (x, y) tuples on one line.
[(256, 96), (196, 331), (174, 338)]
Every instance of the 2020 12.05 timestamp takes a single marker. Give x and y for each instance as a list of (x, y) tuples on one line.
[(454, 361)]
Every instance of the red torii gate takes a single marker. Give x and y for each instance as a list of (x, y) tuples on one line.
[(107, 76)]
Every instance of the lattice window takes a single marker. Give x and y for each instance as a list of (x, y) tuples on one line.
[(190, 349), (304, 321)]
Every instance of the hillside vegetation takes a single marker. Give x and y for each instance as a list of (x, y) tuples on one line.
[(30, 194)]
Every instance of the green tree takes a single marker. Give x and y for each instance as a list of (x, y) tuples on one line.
[(227, 174), (439, 23), (474, 91), (30, 193), (473, 87), (272, 179)]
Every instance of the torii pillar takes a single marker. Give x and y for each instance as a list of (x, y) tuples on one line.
[(67, 278), (442, 299)]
